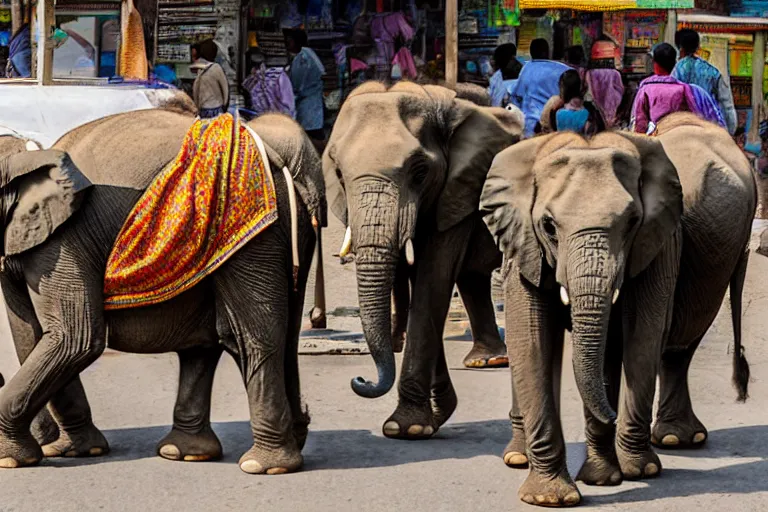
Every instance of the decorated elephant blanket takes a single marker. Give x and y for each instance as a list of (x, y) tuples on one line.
[(214, 197)]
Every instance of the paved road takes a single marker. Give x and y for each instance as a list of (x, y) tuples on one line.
[(351, 467)]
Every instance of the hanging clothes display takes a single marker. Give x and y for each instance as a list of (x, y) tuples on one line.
[(133, 54)]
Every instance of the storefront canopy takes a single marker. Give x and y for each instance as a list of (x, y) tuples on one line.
[(721, 24), (605, 5)]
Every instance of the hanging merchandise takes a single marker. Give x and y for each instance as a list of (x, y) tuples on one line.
[(714, 49), (133, 55), (645, 28)]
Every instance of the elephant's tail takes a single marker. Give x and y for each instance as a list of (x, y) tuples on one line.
[(740, 364)]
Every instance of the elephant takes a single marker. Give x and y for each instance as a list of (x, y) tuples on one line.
[(63, 209), (630, 242), (404, 168)]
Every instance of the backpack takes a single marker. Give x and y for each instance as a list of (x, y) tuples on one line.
[(270, 90)]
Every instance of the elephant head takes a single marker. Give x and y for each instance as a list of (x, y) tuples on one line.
[(39, 191), (400, 158), (586, 214)]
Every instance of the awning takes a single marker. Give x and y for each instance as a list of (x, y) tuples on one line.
[(721, 24), (605, 5)]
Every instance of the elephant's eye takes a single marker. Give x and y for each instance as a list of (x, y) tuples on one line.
[(548, 224), (419, 174)]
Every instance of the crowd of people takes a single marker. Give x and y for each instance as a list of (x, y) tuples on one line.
[(589, 97)]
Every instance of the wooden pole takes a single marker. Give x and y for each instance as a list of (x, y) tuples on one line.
[(671, 27), (451, 42), (758, 68), (17, 17), (45, 24)]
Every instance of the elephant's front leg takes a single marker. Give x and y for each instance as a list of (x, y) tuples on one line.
[(426, 395), (601, 466), (192, 438), (535, 336), (647, 312)]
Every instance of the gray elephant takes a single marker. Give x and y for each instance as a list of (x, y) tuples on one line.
[(404, 168), (63, 209), (631, 243)]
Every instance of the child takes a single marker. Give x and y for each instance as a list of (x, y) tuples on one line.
[(571, 112)]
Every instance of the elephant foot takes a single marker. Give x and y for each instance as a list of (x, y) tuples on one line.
[(545, 491), (637, 466), (681, 434), (411, 422), (83, 442), (259, 461), (484, 355), (183, 446), (44, 428), (514, 453), (600, 470), (20, 451)]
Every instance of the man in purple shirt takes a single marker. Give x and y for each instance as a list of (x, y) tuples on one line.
[(538, 82)]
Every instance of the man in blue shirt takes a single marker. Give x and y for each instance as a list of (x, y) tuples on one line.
[(693, 70), (539, 81)]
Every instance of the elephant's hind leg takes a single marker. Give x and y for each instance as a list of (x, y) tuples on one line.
[(192, 438), (474, 282), (676, 424), (252, 293)]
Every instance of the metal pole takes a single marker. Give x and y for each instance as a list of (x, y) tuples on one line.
[(451, 42), (317, 315), (671, 27)]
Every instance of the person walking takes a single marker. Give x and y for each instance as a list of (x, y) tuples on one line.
[(539, 81), (694, 70), (662, 94), (306, 72), (507, 70)]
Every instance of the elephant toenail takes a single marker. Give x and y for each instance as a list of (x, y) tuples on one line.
[(651, 469), (51, 451), (9, 463), (699, 437), (196, 458), (95, 451), (528, 498), (515, 459), (170, 451), (428, 430), (391, 428), (71, 453), (572, 498), (670, 440), (277, 471), (252, 467), (415, 430), (616, 477)]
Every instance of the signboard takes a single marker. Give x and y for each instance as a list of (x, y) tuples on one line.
[(606, 5)]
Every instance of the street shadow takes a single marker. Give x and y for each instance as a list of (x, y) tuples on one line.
[(735, 478), (325, 449)]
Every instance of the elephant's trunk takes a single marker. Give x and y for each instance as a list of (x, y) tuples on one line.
[(374, 221), (375, 275), (592, 272)]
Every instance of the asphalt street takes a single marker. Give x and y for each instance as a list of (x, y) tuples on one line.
[(350, 466)]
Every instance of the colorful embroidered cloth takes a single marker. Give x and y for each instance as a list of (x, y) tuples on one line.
[(204, 206)]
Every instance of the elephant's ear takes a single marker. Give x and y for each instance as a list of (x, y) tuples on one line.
[(662, 198), (506, 204), (48, 187), (478, 134), (334, 187)]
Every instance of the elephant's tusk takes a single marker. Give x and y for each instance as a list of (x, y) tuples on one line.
[(346, 245), (409, 252), (32, 146), (564, 296), (615, 296)]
